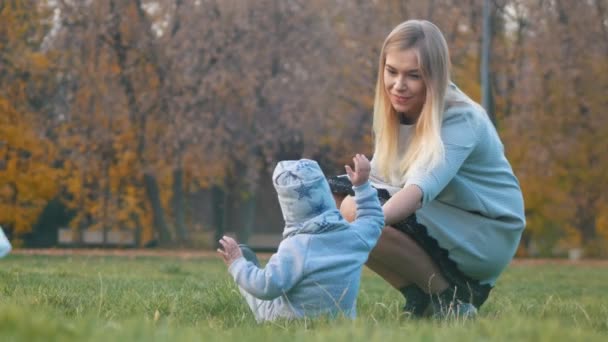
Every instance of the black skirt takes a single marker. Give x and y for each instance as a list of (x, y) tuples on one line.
[(466, 288)]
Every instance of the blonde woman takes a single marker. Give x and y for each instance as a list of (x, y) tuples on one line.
[(453, 208)]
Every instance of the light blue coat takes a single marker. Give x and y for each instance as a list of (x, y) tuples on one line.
[(317, 269), (472, 203)]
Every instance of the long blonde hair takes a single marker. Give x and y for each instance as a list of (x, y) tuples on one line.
[(425, 149)]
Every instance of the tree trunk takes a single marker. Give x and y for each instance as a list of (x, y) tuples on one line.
[(138, 119), (106, 202), (585, 215), (247, 212), (157, 209), (179, 204), (486, 47), (218, 198)]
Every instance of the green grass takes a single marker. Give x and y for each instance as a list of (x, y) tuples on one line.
[(164, 299)]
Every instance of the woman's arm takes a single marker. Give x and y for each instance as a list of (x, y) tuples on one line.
[(402, 204), (459, 139)]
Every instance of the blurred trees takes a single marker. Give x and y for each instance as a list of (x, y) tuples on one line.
[(553, 90), (125, 110), (28, 178)]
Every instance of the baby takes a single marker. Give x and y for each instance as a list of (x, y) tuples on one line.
[(317, 267)]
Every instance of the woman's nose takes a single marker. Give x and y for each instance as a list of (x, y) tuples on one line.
[(400, 83)]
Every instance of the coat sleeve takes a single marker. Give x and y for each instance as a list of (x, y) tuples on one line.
[(459, 135), (282, 272), (370, 217)]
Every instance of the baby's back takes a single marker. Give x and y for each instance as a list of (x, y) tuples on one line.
[(331, 274)]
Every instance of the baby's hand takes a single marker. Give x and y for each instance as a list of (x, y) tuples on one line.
[(231, 250), (362, 169)]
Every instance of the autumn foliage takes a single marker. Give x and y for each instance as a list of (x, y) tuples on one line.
[(125, 112)]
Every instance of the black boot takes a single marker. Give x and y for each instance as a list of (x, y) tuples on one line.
[(416, 300), (446, 305)]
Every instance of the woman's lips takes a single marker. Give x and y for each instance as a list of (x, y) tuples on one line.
[(400, 99)]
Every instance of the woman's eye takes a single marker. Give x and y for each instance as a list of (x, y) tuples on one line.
[(391, 72), (415, 76)]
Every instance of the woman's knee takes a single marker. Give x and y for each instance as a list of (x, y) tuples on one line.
[(348, 209), (395, 246)]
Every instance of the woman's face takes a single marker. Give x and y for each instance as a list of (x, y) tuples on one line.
[(404, 84)]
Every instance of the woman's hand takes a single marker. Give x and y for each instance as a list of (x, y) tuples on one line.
[(361, 173), (231, 250)]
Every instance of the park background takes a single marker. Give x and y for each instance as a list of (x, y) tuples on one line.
[(138, 123)]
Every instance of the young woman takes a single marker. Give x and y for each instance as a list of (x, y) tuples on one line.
[(453, 208)]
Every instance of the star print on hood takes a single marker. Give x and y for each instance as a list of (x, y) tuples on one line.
[(305, 198)]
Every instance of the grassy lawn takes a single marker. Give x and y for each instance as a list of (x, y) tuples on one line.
[(81, 298)]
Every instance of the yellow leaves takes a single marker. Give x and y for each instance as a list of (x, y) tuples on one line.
[(571, 237), (21, 200), (149, 70), (465, 76), (10, 25), (38, 62), (6, 110), (23, 217), (115, 69), (601, 222), (210, 102), (74, 186), (27, 178), (556, 135)]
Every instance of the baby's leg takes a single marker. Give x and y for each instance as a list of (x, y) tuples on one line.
[(263, 310)]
